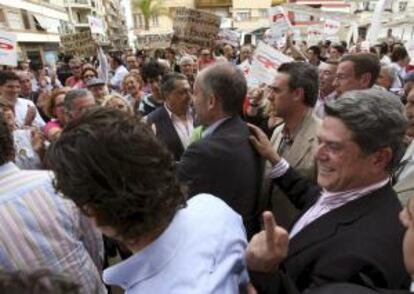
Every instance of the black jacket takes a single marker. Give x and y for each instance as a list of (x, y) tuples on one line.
[(225, 165), (165, 131), (359, 241)]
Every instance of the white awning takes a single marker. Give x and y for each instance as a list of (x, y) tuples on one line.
[(51, 25)]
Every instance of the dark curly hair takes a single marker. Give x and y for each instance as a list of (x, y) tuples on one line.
[(115, 169), (6, 141)]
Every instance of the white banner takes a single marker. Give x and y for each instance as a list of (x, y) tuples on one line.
[(279, 23), (315, 35), (331, 27), (8, 50), (245, 67), (266, 61), (96, 25)]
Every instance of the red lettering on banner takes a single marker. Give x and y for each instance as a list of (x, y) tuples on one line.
[(278, 17), (267, 63)]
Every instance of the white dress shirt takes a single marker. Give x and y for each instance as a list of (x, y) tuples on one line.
[(20, 110), (184, 129), (201, 252)]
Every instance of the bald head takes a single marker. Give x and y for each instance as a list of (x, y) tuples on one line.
[(227, 83)]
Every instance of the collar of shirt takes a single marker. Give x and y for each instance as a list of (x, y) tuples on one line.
[(151, 260), (288, 135), (173, 116), (7, 169), (213, 127), (412, 287), (335, 199)]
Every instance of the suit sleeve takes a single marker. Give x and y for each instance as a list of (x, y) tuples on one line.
[(192, 169), (301, 191)]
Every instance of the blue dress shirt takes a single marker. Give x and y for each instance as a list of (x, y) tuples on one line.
[(201, 251)]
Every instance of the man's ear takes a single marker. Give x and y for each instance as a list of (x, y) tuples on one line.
[(299, 94), (212, 102), (365, 80)]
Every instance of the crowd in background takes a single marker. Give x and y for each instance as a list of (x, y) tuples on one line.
[(138, 141)]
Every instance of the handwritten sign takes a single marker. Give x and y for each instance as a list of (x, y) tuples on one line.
[(80, 44), (193, 27), (154, 41)]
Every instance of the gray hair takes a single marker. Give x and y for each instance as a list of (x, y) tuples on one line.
[(186, 60), (71, 96), (375, 118), (226, 82), (392, 72)]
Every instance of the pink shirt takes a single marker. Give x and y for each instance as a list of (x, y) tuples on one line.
[(53, 124), (327, 202)]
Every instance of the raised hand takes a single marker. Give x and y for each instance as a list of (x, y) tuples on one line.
[(30, 115), (262, 144), (268, 248)]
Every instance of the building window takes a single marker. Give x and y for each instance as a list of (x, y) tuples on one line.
[(155, 22), (241, 16), (264, 13), (26, 20), (139, 21), (15, 20)]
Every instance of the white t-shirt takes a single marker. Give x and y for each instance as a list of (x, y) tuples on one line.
[(20, 110)]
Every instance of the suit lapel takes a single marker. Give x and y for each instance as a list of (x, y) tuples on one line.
[(326, 226), (171, 132), (303, 141)]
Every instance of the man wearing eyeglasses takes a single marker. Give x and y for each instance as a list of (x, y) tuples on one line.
[(293, 94)]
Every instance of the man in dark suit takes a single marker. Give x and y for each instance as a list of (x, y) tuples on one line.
[(223, 162), (173, 121), (349, 229)]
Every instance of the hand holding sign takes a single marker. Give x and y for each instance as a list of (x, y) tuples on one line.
[(268, 248)]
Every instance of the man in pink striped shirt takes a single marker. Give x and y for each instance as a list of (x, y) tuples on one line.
[(348, 229)]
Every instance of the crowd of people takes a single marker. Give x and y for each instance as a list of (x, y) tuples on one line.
[(200, 183)]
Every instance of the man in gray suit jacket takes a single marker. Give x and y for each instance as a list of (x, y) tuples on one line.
[(294, 94)]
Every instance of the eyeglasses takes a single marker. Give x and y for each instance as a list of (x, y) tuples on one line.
[(89, 76)]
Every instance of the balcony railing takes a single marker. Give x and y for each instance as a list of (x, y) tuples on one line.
[(213, 3)]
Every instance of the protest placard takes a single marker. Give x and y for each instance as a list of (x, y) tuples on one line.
[(79, 44), (331, 28), (227, 36), (245, 67), (279, 24), (154, 41), (315, 35), (266, 60), (8, 50), (195, 28), (96, 25)]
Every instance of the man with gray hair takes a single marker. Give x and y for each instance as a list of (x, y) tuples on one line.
[(349, 229), (387, 77), (76, 102), (187, 68)]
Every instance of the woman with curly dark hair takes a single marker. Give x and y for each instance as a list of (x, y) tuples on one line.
[(121, 176)]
